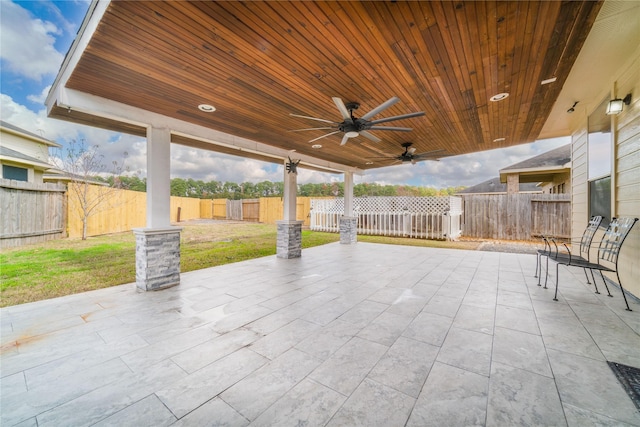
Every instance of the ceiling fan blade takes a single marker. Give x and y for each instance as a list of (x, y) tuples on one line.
[(435, 153), (343, 108), (313, 118), (345, 138), (322, 128), (390, 128), (324, 136), (400, 117), (427, 156), (370, 136), (388, 103)]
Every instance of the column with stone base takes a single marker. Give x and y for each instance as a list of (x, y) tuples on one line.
[(289, 239), (348, 230), (157, 257)]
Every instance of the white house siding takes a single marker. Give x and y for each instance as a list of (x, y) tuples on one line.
[(25, 145), (627, 178), (579, 186), (625, 174)]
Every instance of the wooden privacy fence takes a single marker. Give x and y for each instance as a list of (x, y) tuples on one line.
[(416, 217), (31, 213), (243, 210), (272, 209), (124, 210), (213, 208), (521, 216), (36, 212)]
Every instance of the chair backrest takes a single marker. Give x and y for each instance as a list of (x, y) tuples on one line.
[(587, 236), (613, 238)]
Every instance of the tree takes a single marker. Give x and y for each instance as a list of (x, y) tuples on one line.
[(91, 192)]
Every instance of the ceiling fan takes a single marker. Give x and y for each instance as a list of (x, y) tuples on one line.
[(410, 155), (353, 126)]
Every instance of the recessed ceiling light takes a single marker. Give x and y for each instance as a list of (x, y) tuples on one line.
[(499, 97), (316, 146), (369, 163), (547, 81), (499, 139), (206, 108)]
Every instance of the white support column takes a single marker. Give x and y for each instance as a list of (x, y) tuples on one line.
[(158, 245), (289, 237), (158, 177), (348, 194), (348, 222), (290, 194)]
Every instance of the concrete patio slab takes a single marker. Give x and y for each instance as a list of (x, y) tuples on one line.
[(346, 335)]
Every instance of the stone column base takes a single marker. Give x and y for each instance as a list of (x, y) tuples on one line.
[(157, 257), (348, 230), (289, 241)]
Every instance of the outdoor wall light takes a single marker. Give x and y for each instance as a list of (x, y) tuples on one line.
[(616, 106)]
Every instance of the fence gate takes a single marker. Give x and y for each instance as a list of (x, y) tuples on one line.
[(251, 210), (234, 210), (416, 217)]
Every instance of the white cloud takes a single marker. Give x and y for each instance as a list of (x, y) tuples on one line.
[(27, 46), (40, 98)]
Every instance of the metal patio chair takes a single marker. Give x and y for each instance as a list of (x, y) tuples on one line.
[(608, 251), (552, 252)]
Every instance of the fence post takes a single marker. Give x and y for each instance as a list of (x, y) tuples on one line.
[(446, 225)]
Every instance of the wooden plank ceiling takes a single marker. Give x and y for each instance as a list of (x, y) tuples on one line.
[(257, 62)]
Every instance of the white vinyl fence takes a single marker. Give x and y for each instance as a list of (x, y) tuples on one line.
[(416, 217)]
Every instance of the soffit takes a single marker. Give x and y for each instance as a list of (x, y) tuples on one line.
[(257, 62)]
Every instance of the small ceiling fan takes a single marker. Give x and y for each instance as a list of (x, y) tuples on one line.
[(410, 155), (353, 126)]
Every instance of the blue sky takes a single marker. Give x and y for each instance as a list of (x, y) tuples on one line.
[(36, 35)]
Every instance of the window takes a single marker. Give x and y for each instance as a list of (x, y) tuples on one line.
[(15, 173), (600, 199), (599, 163)]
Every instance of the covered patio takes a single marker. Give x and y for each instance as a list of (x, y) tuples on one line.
[(347, 335)]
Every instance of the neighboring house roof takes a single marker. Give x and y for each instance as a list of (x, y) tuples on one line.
[(57, 175), (25, 133), (493, 186), (16, 156), (541, 168)]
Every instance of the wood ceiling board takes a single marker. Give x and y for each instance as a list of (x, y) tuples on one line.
[(257, 62)]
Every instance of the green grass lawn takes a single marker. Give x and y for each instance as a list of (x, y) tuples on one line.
[(63, 267)]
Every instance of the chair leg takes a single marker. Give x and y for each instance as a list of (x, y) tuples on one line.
[(546, 273), (605, 282), (539, 269), (622, 289), (587, 276), (594, 281), (555, 296)]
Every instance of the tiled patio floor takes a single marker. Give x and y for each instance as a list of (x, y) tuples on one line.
[(369, 335)]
